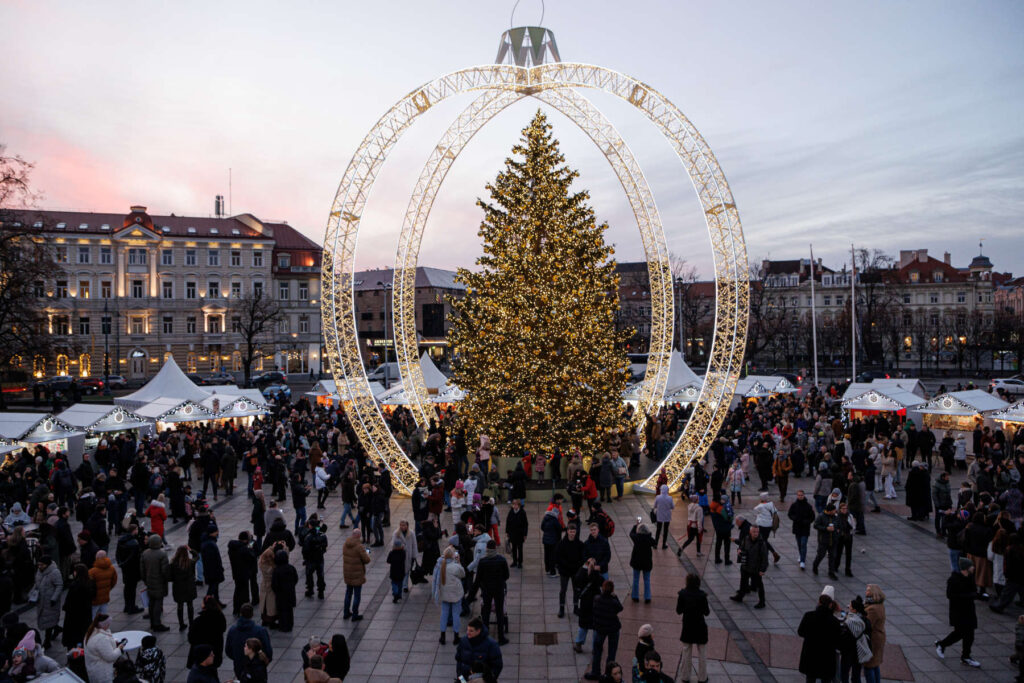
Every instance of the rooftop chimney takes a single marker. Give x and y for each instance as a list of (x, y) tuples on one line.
[(946, 258), (922, 255), (138, 208)]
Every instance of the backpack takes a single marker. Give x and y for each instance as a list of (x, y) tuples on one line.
[(606, 524), (775, 519)]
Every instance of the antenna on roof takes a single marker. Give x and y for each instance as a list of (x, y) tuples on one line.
[(980, 250), (230, 210)]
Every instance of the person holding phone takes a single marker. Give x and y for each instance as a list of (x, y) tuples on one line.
[(101, 650)]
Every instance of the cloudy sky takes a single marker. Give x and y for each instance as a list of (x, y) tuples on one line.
[(889, 125)]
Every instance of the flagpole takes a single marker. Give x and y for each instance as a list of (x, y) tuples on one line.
[(853, 311), (814, 323)]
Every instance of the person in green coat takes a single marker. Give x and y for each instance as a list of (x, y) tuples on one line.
[(156, 572)]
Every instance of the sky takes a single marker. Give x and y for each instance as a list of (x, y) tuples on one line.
[(887, 125)]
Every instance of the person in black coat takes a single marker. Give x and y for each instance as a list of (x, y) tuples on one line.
[(259, 523), (641, 559), (77, 608), (802, 515), (517, 484), (919, 498), (587, 584), (568, 560), (606, 627), (213, 566), (492, 577), (551, 532), (243, 561), (337, 661), (692, 604), (961, 593), (207, 629), (283, 582), (128, 554), (517, 525), (821, 631)]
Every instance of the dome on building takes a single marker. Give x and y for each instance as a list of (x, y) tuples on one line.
[(981, 261)]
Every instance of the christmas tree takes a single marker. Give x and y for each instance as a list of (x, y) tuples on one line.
[(534, 337)]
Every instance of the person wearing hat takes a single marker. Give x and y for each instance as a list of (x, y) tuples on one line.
[(961, 593), (49, 585), (204, 670)]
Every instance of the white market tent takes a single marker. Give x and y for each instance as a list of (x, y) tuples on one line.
[(432, 377), (395, 396), (170, 382), (239, 406), (34, 428), (171, 410), (1011, 417), (450, 394), (751, 386), (328, 388), (912, 386), (892, 400), (6, 448), (964, 404), (93, 418), (682, 386)]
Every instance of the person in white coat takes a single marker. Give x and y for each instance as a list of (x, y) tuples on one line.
[(663, 506), (764, 514), (448, 591), (320, 479), (408, 540), (101, 650)]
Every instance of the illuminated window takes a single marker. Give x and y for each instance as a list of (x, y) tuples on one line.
[(15, 361), (83, 289), (39, 366), (61, 254), (62, 365), (236, 361), (84, 365), (190, 362), (106, 288)]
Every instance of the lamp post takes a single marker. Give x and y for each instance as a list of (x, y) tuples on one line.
[(106, 349), (387, 297), (679, 314)]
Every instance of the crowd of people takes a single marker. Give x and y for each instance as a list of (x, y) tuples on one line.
[(809, 467)]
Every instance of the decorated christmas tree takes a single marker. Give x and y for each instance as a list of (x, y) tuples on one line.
[(534, 337)]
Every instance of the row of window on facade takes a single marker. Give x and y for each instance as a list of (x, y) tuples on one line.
[(933, 298), (138, 290), (141, 324), (140, 256), (81, 366)]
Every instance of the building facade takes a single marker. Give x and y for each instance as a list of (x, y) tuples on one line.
[(140, 288)]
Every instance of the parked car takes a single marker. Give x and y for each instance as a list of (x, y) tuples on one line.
[(62, 383), (116, 382), (91, 385), (277, 390), (389, 370), (220, 378), (197, 379), (267, 378), (872, 375), (1010, 387)]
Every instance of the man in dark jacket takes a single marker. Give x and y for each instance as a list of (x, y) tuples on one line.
[(753, 565), (97, 527), (314, 546), (155, 573), (551, 533), (961, 593), (241, 631), (568, 560), (1013, 569), (127, 554), (492, 577), (477, 647), (597, 547), (213, 566), (942, 499), (283, 582), (300, 491), (65, 540), (279, 532), (821, 632), (243, 561), (802, 515), (828, 539), (517, 526)]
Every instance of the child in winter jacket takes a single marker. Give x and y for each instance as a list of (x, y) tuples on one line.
[(150, 662)]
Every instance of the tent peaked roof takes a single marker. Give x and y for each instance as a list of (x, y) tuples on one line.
[(892, 399), (680, 378), (1012, 413), (432, 377), (170, 382), (964, 403)]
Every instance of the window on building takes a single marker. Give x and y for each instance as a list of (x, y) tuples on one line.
[(303, 323), (190, 360), (283, 290), (257, 288), (61, 291), (284, 260), (61, 324), (167, 257), (106, 256), (105, 324), (236, 290), (303, 291), (915, 276), (84, 255), (137, 289), (828, 300), (168, 324), (61, 254), (933, 298), (213, 289), (236, 259), (906, 298), (257, 259), (190, 257), (213, 324), (190, 325), (285, 326), (933, 319), (961, 297), (84, 287), (62, 365), (366, 315), (136, 257), (84, 365), (190, 290), (168, 289), (937, 276), (981, 298), (39, 289), (236, 324), (213, 257), (83, 326), (839, 299), (137, 324)]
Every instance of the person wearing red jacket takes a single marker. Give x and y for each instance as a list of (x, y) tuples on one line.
[(157, 513), (590, 492)]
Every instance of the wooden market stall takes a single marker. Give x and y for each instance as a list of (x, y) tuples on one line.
[(97, 420), (959, 412), (1010, 419), (896, 404), (40, 429), (169, 412)]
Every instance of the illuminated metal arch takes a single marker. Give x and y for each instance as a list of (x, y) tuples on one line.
[(584, 114), (720, 214)]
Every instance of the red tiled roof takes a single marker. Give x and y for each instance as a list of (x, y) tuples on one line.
[(287, 237)]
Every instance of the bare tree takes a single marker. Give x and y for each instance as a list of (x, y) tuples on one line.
[(26, 263), (257, 314), (692, 304), (875, 294)]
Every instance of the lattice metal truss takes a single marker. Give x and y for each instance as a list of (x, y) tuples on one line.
[(721, 216), (582, 112)]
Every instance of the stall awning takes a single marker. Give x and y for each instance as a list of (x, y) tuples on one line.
[(175, 410), (908, 385), (242, 407), (1013, 413), (34, 427), (891, 400), (93, 417), (963, 403), (450, 394)]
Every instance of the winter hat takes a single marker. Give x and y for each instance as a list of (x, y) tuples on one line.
[(84, 535), (459, 485), (830, 591), (149, 641), (965, 564), (836, 492), (104, 622), (645, 631)]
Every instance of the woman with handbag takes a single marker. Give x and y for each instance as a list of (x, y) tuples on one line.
[(854, 641)]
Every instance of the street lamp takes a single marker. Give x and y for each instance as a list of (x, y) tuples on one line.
[(679, 314), (106, 348), (387, 297)]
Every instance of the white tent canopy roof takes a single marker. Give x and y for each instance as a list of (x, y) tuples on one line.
[(450, 394), (1012, 413), (93, 417), (910, 385), (890, 400), (682, 382), (964, 403), (329, 387), (34, 427), (170, 382), (175, 410), (432, 377), (751, 386), (241, 406)]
